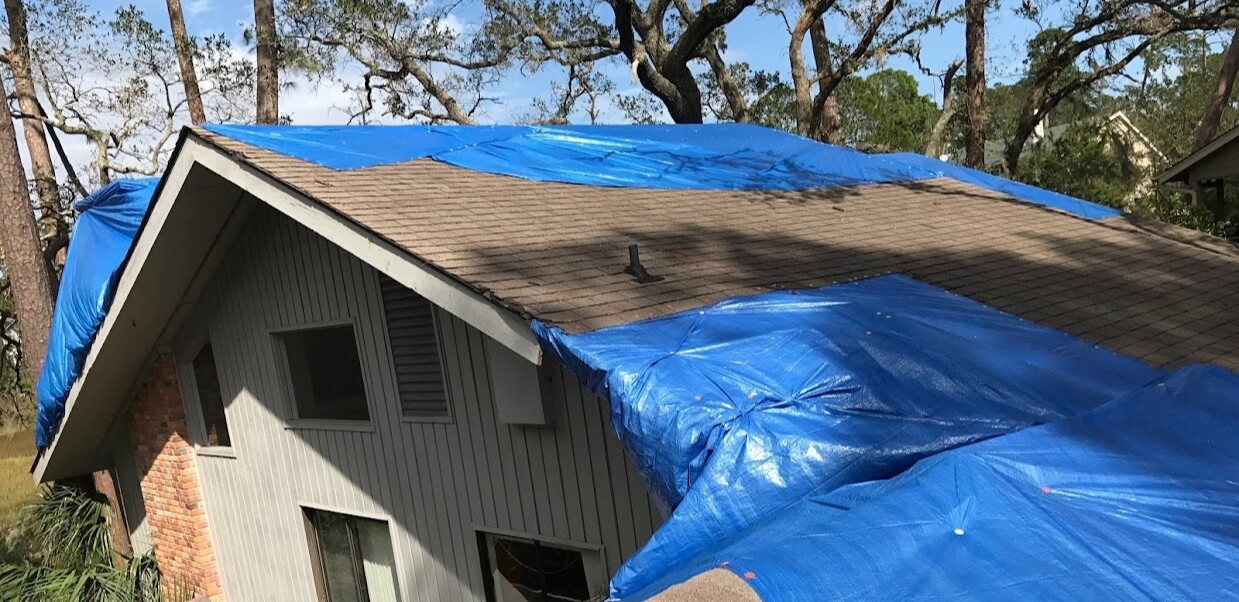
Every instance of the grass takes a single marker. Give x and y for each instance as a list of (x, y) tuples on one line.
[(16, 485)]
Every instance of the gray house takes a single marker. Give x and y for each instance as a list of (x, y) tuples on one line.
[(321, 383), (1205, 173)]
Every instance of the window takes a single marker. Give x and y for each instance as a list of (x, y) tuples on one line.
[(521, 570), (415, 352), (352, 556), (210, 399), (326, 373)]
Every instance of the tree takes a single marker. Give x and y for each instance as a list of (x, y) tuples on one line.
[(974, 82), (766, 97), (1221, 94), (1083, 162), (888, 27), (661, 42), (185, 60), (47, 190), (884, 112), (266, 40), (23, 258), (416, 63), (1097, 41), (115, 83), (1172, 90), (935, 144), (584, 84)]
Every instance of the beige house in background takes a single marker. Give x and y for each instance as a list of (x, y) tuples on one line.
[(1135, 149)]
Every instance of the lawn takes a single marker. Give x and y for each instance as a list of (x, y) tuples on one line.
[(16, 485)]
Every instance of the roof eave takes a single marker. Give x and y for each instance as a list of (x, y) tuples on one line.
[(1173, 173)]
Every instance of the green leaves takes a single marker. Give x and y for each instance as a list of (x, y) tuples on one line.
[(64, 554)]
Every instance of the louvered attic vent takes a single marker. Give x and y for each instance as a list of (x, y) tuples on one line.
[(415, 352)]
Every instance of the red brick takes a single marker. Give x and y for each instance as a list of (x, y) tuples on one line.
[(170, 488)]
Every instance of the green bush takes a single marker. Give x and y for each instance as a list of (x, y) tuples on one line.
[(62, 552)]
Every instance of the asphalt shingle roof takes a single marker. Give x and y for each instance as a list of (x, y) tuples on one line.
[(557, 251)]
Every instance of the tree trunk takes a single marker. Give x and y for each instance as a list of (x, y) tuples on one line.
[(934, 145), (802, 84), (36, 141), (827, 128), (185, 58), (122, 548), (268, 84), (974, 80), (19, 240), (1221, 95)]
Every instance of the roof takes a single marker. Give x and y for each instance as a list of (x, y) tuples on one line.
[(557, 251), (498, 250), (1179, 171)]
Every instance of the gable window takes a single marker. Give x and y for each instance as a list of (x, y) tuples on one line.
[(352, 556), (520, 570), (415, 352), (325, 371), (210, 398)]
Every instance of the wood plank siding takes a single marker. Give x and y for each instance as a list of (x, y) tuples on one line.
[(437, 481)]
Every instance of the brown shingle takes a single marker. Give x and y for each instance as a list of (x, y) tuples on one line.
[(557, 251)]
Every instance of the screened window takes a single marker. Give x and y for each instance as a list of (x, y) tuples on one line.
[(210, 399), (415, 352), (326, 373), (523, 570), (353, 559)]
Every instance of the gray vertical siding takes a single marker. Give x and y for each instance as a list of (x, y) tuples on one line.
[(130, 491), (437, 482)]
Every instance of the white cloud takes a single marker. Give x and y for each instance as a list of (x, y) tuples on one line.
[(197, 7), (314, 103)]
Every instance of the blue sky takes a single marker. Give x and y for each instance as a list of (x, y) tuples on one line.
[(755, 38)]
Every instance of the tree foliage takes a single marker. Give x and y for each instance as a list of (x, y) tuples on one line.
[(884, 112), (1084, 162)]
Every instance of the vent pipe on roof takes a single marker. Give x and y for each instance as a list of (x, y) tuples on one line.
[(636, 269)]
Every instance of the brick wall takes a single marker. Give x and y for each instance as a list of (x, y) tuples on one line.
[(170, 490)]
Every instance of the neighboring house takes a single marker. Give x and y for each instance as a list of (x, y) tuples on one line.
[(318, 379), (1204, 174), (1134, 149)]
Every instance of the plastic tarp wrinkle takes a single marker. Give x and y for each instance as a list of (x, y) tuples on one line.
[(1135, 500), (735, 412), (723, 156), (102, 235)]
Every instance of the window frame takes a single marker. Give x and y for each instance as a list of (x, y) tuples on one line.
[(314, 550), (184, 352), (593, 559), (288, 387), (449, 416)]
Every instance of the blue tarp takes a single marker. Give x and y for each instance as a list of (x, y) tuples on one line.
[(725, 156), (1136, 500), (703, 157), (737, 411), (1024, 192), (106, 223)]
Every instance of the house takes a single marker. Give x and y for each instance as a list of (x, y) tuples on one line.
[(317, 378), (1204, 173), (1137, 153)]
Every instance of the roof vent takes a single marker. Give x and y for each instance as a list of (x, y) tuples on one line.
[(636, 269)]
